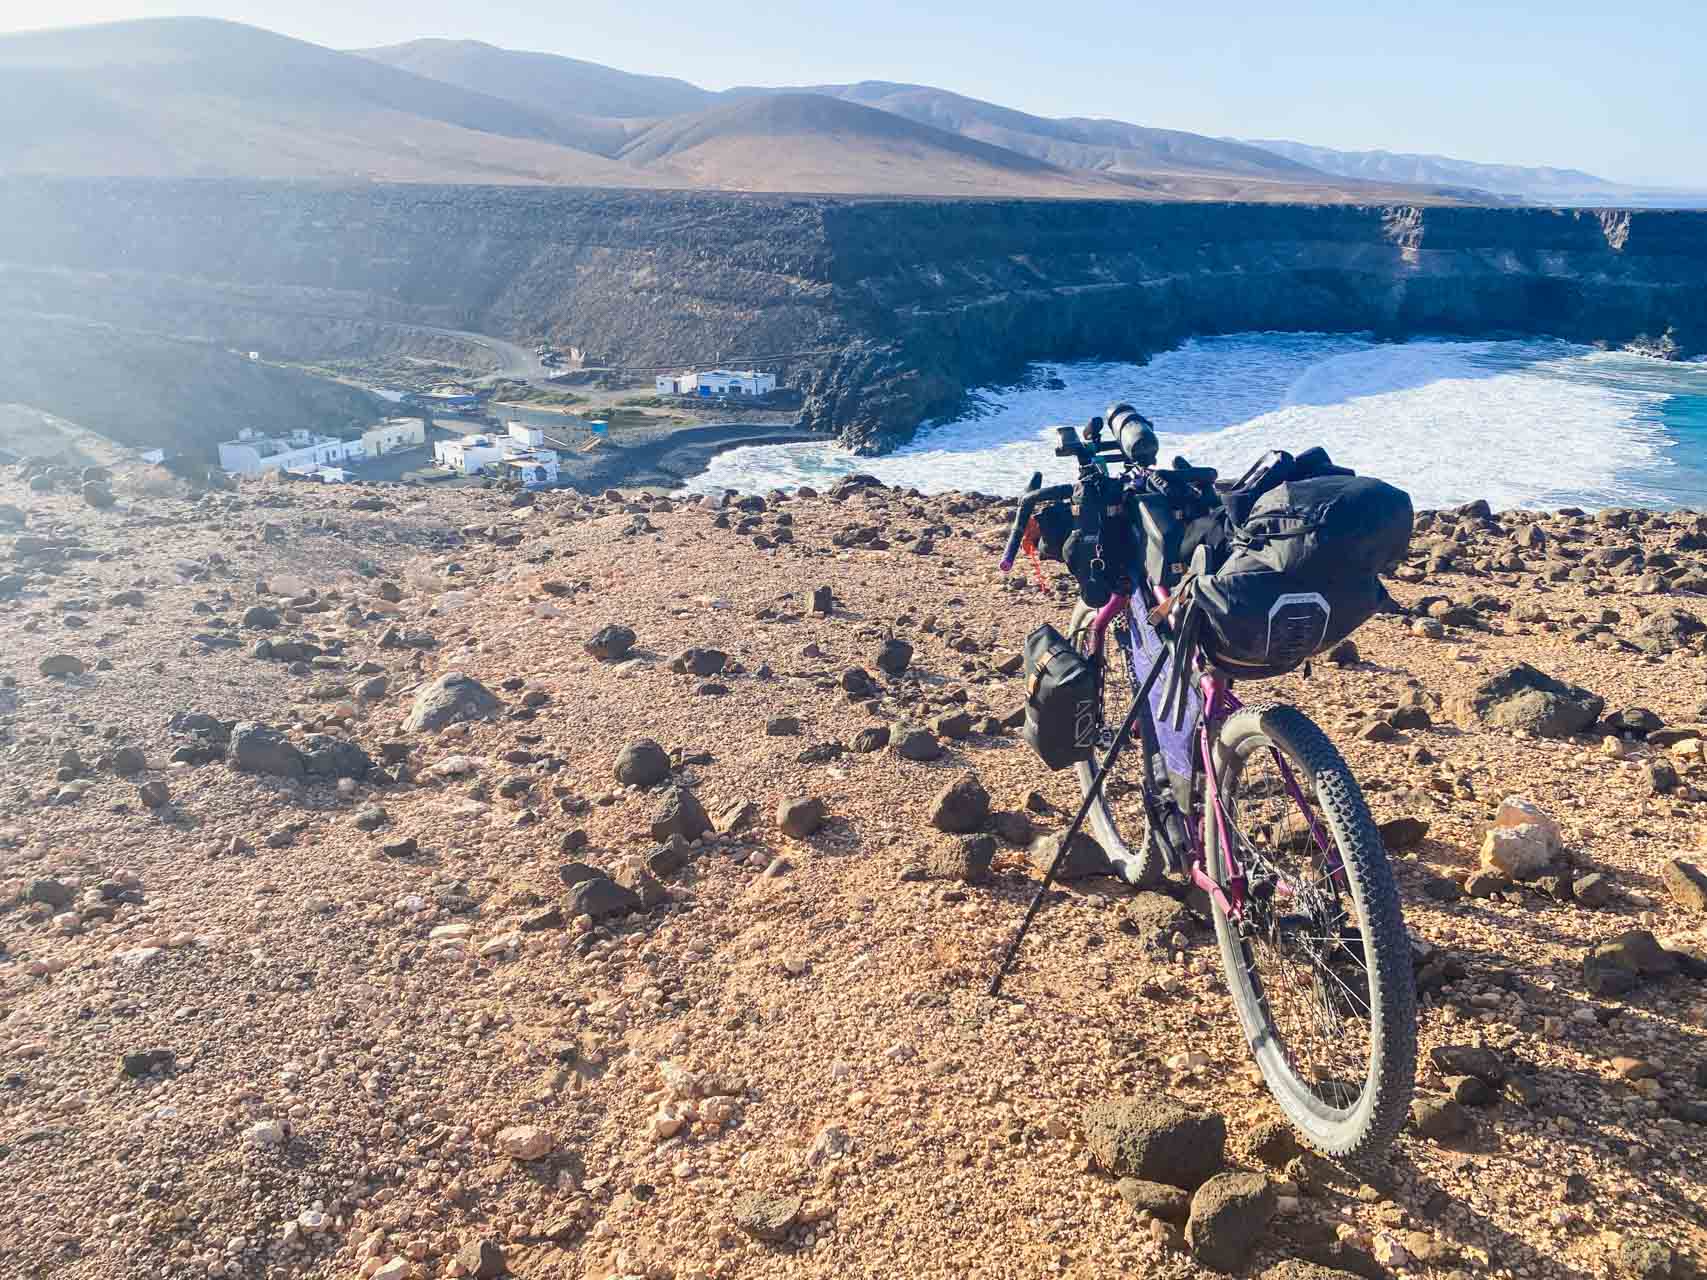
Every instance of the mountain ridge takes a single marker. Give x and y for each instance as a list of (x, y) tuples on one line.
[(1539, 184), (203, 97)]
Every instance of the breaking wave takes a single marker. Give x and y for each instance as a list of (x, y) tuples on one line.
[(1528, 423)]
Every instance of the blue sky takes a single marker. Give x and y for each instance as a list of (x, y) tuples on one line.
[(1619, 92)]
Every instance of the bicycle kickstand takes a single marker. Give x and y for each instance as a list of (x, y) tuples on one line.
[(1091, 794)]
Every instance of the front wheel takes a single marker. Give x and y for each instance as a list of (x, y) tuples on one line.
[(1118, 819), (1319, 963)]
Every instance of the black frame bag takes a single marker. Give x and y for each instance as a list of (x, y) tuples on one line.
[(1303, 572), (1061, 700)]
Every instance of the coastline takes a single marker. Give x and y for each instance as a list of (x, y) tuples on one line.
[(665, 457)]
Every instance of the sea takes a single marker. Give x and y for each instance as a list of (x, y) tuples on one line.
[(1538, 424)]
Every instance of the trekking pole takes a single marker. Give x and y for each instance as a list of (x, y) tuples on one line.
[(1091, 794)]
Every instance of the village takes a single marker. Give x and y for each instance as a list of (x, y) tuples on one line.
[(456, 433)]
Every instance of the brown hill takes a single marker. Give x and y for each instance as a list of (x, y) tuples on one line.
[(809, 142), (546, 82), (198, 97)]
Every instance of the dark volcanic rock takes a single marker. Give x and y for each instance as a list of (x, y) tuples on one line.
[(679, 813), (452, 698), (1229, 1215), (1156, 1139), (642, 763), (1520, 697), (961, 806), (610, 642), (600, 896), (259, 748)]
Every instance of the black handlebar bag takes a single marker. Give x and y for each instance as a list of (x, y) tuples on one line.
[(1303, 572), (1061, 700)]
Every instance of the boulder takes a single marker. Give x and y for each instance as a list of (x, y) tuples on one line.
[(874, 738), (967, 860), (1687, 884), (1170, 1204), (1155, 1138), (610, 643), (962, 806), (894, 656), (917, 743), (1523, 842), (679, 813), (642, 763), (97, 495), (1229, 1215), (1398, 834), (766, 1216), (1667, 629), (330, 757), (1522, 853), (598, 896), (1085, 857), (259, 748), (699, 662), (1441, 1119), (451, 699), (61, 664), (1521, 697), (800, 816), (482, 1259)]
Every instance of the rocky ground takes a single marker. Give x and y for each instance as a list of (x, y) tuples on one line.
[(421, 885)]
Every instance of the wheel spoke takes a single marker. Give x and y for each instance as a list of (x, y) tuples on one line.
[(1296, 934)]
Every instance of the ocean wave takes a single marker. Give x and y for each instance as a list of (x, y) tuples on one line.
[(1518, 423)]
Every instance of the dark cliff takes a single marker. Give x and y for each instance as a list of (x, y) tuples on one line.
[(885, 311)]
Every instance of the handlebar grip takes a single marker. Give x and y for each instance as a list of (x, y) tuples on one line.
[(1022, 517)]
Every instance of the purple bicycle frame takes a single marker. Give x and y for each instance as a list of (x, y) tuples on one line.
[(1219, 702)]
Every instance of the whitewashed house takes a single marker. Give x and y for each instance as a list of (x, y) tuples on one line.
[(394, 434), (734, 382), (508, 456), (252, 453), (533, 468), (468, 455)]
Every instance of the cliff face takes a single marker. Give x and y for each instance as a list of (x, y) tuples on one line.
[(885, 311), (964, 294)]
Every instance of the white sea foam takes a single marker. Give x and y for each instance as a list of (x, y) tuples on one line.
[(1517, 423)]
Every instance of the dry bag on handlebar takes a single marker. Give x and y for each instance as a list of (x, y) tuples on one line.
[(1061, 699), (1302, 571)]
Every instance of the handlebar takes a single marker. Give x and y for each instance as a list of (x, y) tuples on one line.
[(1034, 494), (1090, 451)]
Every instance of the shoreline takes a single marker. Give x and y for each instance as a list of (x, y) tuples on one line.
[(666, 457)]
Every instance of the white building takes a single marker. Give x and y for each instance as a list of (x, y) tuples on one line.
[(394, 434), (716, 382), (533, 469), (468, 455), (505, 456), (325, 475), (252, 453), (734, 382), (522, 434)]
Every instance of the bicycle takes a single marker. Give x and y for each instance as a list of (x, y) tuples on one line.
[(1251, 804)]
